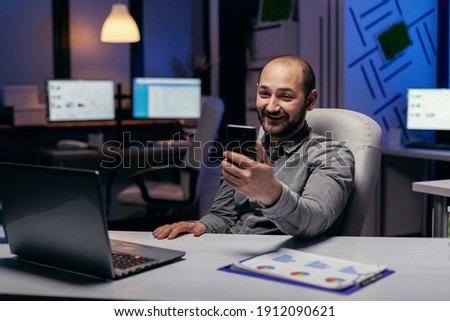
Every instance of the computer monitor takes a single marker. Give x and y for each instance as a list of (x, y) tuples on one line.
[(70, 100), (166, 98), (428, 109)]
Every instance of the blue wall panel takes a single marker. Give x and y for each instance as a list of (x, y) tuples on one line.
[(374, 84)]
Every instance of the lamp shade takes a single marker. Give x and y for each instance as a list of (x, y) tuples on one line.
[(120, 26)]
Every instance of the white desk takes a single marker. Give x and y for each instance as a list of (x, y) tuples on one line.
[(422, 271), (441, 190)]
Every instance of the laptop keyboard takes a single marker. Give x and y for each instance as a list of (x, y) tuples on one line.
[(125, 261)]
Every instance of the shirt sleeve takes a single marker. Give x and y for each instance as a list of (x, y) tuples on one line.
[(314, 209)]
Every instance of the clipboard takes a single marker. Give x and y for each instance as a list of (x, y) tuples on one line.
[(310, 270)]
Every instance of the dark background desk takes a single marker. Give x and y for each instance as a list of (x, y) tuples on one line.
[(440, 190), (113, 156), (37, 144), (404, 212), (19, 143)]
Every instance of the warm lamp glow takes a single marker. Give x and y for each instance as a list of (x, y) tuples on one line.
[(120, 26)]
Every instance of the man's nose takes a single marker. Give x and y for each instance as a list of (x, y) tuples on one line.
[(273, 105)]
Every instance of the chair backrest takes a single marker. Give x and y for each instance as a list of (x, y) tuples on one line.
[(206, 132), (203, 137), (363, 137)]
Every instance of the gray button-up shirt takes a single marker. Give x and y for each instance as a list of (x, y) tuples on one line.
[(317, 178)]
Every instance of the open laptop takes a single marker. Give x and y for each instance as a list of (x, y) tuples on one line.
[(55, 217)]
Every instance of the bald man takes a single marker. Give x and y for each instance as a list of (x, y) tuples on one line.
[(300, 182)]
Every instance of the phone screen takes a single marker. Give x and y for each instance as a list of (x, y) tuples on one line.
[(242, 139)]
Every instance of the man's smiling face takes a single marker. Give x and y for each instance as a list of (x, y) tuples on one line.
[(281, 101)]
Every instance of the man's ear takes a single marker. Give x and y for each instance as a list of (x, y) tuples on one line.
[(312, 99)]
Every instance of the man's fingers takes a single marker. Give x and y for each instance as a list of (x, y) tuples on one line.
[(159, 231), (168, 230), (171, 231), (197, 229), (262, 156), (238, 159)]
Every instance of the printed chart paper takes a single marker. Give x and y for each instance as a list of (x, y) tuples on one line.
[(318, 270)]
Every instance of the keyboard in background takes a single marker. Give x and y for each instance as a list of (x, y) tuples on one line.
[(423, 145)]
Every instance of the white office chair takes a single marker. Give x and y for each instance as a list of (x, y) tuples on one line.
[(153, 189), (363, 137)]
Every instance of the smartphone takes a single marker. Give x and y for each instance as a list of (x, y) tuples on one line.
[(242, 139)]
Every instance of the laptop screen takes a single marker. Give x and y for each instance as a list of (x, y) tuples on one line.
[(428, 108), (56, 216), (166, 98)]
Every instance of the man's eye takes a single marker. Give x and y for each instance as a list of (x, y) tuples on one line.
[(264, 94)]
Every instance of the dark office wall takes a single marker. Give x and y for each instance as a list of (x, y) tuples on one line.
[(26, 37), (443, 62), (234, 25), (442, 170)]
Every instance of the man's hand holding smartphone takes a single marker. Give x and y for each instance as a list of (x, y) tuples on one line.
[(246, 167)]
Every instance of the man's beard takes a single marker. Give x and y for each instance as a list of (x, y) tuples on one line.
[(287, 128)]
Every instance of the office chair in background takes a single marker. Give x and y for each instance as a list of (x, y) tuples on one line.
[(363, 137), (153, 187)]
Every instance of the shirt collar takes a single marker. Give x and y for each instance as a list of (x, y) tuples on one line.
[(290, 146)]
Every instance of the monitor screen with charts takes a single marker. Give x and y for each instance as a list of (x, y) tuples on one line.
[(428, 109), (70, 100), (166, 98)]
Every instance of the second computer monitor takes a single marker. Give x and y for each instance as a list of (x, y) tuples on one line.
[(166, 98), (428, 108)]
